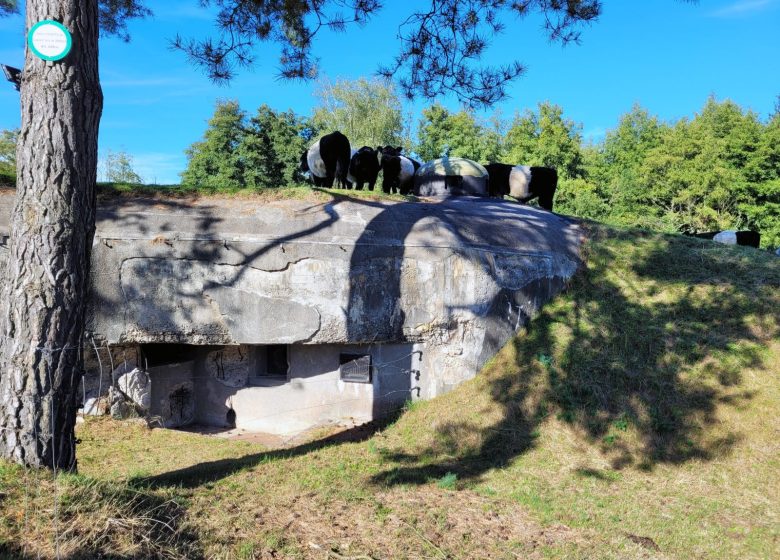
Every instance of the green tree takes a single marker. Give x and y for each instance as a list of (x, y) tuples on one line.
[(215, 162), (8, 140), (271, 148), (119, 168), (544, 137), (763, 207), (706, 170), (368, 112), (443, 133), (257, 154), (433, 134), (719, 170), (291, 135), (617, 167)]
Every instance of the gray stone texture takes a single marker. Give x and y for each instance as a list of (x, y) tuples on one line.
[(136, 387), (454, 279)]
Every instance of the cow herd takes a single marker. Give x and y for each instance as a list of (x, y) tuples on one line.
[(331, 161)]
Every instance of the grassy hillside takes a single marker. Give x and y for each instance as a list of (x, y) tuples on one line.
[(636, 418)]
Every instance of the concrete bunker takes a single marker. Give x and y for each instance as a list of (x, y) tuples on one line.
[(279, 316), (278, 389)]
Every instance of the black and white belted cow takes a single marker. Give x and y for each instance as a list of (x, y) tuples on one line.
[(523, 182), (732, 237), (397, 170), (328, 160), (364, 168)]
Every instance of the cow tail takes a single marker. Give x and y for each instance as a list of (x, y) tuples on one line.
[(342, 168)]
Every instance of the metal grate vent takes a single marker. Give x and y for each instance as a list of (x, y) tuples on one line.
[(355, 368)]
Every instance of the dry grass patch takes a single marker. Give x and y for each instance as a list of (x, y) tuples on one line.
[(108, 191)]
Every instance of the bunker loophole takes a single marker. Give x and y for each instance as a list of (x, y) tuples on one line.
[(276, 364), (181, 403)]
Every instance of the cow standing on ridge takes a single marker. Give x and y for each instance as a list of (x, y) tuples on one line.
[(397, 170), (731, 237), (364, 168), (328, 160), (523, 182)]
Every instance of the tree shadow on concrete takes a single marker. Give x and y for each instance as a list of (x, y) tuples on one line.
[(374, 313), (166, 230), (651, 341)]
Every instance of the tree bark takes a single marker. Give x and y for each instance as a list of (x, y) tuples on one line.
[(43, 296)]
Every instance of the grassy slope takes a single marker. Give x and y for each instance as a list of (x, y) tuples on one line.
[(304, 191), (637, 418)]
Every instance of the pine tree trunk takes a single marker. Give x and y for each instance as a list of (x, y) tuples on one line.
[(43, 297)]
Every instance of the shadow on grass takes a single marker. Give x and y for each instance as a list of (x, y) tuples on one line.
[(209, 471), (651, 339), (104, 520)]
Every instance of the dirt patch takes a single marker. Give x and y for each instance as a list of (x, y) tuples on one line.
[(424, 522)]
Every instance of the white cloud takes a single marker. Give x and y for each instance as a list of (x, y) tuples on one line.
[(741, 8)]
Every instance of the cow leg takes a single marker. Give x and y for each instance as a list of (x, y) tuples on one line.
[(546, 201)]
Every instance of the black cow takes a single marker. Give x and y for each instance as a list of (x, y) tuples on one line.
[(731, 237), (397, 170), (328, 159), (364, 168), (523, 182)]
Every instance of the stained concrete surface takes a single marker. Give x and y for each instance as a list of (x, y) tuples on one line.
[(453, 279)]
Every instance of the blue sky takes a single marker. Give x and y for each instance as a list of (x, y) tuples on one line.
[(667, 55)]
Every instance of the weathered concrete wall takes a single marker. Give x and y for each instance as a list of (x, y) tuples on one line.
[(455, 278), (313, 393)]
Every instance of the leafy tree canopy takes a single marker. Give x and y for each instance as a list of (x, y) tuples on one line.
[(718, 170), (214, 162), (119, 168), (8, 139), (545, 137), (443, 133), (236, 153), (272, 146), (368, 112)]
